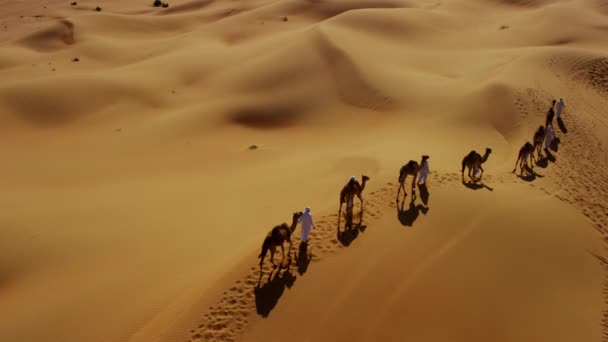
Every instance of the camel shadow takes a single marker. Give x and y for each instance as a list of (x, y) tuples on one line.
[(409, 216), (267, 296), (347, 236), (351, 230), (561, 125), (542, 162), (530, 175), (477, 185), (303, 258)]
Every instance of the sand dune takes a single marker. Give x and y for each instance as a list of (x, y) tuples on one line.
[(133, 208)]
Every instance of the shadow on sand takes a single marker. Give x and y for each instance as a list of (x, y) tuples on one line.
[(477, 185), (351, 230), (545, 159), (529, 174), (561, 125), (555, 144), (267, 296), (303, 258), (409, 216), (424, 194)]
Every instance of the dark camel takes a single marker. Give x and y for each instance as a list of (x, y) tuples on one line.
[(539, 139), (350, 190), (276, 237), (410, 169), (473, 161), (525, 152)]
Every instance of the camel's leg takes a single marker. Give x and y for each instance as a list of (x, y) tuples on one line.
[(360, 200), (414, 181), (272, 250), (282, 255), (401, 186), (532, 162), (516, 162), (399, 190), (481, 174)]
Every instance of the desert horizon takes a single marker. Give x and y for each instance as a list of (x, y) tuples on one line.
[(151, 149)]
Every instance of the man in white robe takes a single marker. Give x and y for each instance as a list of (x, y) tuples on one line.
[(424, 170), (307, 224), (549, 136), (559, 107)]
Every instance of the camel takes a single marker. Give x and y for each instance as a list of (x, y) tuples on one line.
[(276, 237), (525, 152), (410, 169), (538, 140), (473, 161), (350, 190)]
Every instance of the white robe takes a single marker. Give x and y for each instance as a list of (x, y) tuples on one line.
[(424, 172), (549, 136), (307, 224), (559, 107)]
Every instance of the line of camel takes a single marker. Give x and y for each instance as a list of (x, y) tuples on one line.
[(472, 161), (282, 232)]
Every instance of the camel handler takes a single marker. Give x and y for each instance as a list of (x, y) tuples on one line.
[(307, 224), (559, 107), (349, 212), (351, 181), (424, 170), (549, 136)]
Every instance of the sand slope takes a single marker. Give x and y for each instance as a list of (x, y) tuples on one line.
[(132, 206)]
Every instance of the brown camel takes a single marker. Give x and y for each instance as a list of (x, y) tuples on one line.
[(350, 190), (525, 152), (473, 161), (538, 140), (410, 169), (276, 237)]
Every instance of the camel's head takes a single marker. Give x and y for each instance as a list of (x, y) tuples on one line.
[(296, 215), (425, 157), (488, 150), (364, 178)]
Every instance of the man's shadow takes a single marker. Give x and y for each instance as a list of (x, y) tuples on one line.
[(424, 194), (303, 258), (407, 217), (545, 159), (555, 144), (561, 125), (267, 296)]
